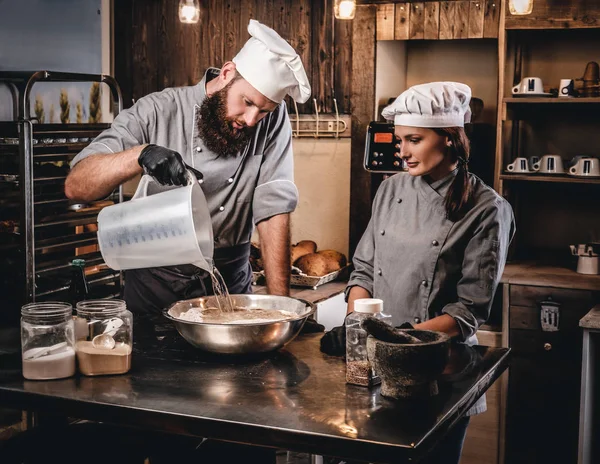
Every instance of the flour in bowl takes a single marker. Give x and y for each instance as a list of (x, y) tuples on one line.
[(237, 316)]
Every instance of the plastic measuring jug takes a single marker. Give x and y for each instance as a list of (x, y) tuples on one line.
[(162, 225)]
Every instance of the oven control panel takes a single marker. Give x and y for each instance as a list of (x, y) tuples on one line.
[(381, 152)]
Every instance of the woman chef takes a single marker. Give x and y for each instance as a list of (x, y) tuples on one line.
[(436, 244)]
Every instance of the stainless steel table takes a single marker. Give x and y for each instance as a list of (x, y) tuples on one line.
[(295, 399)]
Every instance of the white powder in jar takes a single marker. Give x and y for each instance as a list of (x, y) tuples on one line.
[(52, 366)]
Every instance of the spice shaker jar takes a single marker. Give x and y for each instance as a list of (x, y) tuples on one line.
[(47, 340), (104, 330), (358, 367)]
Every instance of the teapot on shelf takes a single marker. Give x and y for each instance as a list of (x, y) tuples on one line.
[(588, 261)]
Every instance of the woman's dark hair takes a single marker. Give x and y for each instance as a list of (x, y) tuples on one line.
[(460, 194)]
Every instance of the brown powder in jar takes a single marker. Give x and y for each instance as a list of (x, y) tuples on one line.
[(94, 361), (360, 373)]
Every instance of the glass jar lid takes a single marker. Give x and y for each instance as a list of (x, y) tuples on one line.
[(47, 310), (100, 308)]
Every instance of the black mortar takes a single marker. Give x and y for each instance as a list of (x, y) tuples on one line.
[(410, 370)]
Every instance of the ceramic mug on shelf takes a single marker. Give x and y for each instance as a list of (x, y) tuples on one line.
[(549, 164), (532, 160), (586, 167), (566, 88), (527, 85), (519, 165)]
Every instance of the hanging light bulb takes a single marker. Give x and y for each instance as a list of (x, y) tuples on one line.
[(520, 7), (344, 9), (189, 11)]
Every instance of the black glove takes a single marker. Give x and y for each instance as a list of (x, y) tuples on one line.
[(406, 325), (312, 326), (165, 165), (333, 342)]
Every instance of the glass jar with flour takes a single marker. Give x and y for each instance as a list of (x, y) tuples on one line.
[(104, 337), (47, 339)]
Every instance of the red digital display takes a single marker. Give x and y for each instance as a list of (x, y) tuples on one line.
[(382, 137)]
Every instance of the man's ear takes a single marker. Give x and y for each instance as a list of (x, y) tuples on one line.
[(227, 72)]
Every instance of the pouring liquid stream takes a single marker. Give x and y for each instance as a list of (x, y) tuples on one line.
[(224, 301)]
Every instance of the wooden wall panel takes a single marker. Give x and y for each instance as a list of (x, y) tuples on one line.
[(363, 109), (461, 20), (231, 28), (447, 15), (265, 12), (153, 50), (491, 19), (215, 31), (402, 21), (476, 13), (322, 54), (416, 21), (431, 27), (343, 64), (385, 21)]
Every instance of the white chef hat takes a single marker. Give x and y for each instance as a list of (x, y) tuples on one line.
[(436, 104), (271, 65)]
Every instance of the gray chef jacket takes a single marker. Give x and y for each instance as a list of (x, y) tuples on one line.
[(240, 190), (422, 264)]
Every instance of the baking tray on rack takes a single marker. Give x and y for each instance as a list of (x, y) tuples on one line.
[(299, 279)]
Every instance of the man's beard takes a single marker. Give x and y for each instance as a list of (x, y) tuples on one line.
[(217, 131)]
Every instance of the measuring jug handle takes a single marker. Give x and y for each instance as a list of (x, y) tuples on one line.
[(142, 188)]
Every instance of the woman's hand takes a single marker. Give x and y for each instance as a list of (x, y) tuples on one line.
[(444, 323)]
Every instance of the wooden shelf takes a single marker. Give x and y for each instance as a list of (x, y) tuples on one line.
[(557, 179), (542, 275), (547, 100)]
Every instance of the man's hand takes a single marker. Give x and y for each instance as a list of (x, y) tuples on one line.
[(165, 165)]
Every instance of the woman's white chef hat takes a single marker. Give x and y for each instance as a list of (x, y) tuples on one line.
[(271, 65), (436, 104)]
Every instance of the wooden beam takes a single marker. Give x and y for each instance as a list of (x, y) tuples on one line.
[(431, 29), (491, 19), (476, 14), (385, 21), (401, 21), (552, 14), (447, 15), (417, 21), (363, 110)]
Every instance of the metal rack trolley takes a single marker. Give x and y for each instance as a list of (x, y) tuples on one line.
[(41, 231)]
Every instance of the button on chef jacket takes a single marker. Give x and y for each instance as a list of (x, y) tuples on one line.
[(240, 190), (422, 264)]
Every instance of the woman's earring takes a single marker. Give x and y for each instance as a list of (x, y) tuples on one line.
[(449, 144)]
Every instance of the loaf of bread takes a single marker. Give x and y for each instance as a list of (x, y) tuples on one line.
[(314, 264), (336, 259), (302, 248)]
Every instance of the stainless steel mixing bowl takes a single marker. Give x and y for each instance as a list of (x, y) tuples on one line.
[(259, 337)]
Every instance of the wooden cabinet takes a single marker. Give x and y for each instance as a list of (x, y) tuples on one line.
[(544, 376)]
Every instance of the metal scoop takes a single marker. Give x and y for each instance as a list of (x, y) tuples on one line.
[(105, 340)]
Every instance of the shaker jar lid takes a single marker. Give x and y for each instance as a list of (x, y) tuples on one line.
[(368, 305)]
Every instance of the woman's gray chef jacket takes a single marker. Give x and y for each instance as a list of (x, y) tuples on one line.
[(423, 265), (240, 190)]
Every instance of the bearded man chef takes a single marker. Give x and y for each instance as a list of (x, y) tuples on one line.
[(233, 127)]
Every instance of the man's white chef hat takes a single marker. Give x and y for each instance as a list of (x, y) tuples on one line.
[(271, 65), (437, 104)]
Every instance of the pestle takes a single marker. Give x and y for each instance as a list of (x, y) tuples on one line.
[(386, 333)]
